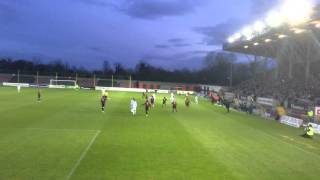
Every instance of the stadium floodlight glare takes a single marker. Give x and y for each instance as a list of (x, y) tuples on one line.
[(246, 47), (259, 26), (231, 40), (247, 32), (267, 40), (317, 25), (256, 43), (297, 12), (234, 38), (298, 31), (274, 19), (281, 36), (237, 36)]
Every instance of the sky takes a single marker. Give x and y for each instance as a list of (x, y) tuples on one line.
[(172, 34)]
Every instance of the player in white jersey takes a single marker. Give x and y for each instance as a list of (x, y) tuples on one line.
[(196, 99), (171, 98), (18, 88), (154, 96), (133, 106)]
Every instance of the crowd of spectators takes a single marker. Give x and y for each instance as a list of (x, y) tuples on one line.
[(281, 89)]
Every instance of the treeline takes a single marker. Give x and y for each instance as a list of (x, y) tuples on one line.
[(218, 68)]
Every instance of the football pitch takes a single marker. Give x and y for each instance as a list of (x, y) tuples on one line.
[(66, 136)]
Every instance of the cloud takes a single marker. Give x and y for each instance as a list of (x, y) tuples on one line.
[(162, 46), (155, 9), (217, 34), (200, 52), (148, 9), (182, 56), (9, 10), (182, 45), (176, 40), (99, 3), (97, 49), (187, 59), (262, 7)]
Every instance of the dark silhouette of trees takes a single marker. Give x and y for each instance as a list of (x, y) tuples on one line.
[(106, 68), (219, 68)]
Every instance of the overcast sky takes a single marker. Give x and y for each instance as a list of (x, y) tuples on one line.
[(168, 33)]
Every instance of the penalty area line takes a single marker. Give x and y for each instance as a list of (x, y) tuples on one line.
[(84, 153)]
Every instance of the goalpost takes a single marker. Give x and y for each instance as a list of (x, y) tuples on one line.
[(54, 83)]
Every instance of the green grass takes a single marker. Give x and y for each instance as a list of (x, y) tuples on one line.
[(66, 136)]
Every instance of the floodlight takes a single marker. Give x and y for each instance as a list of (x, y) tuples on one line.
[(237, 36), (281, 36), (259, 26), (267, 40), (234, 37), (231, 40), (297, 12), (317, 25), (246, 47), (247, 32), (256, 43), (274, 19), (298, 31)]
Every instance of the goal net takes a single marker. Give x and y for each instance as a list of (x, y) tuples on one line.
[(63, 83)]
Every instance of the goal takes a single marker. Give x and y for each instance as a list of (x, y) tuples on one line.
[(54, 83)]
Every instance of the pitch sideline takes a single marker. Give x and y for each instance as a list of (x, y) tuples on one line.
[(84, 153)]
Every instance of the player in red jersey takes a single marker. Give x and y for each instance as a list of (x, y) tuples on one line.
[(164, 102), (187, 101), (152, 101), (174, 106), (147, 106), (39, 95), (103, 100)]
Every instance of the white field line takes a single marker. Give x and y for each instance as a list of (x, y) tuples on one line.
[(281, 140), (84, 153), (297, 147), (49, 129)]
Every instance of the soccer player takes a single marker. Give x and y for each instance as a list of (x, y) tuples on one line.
[(152, 101), (39, 95), (147, 106), (227, 104), (174, 106), (213, 99), (187, 101), (196, 99), (171, 98), (18, 88), (133, 105), (104, 98), (309, 132), (154, 96), (164, 102)]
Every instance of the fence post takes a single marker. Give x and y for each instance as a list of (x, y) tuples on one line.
[(111, 80), (38, 78), (18, 76), (94, 80), (130, 81), (56, 75)]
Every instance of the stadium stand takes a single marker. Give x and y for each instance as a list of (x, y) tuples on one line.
[(86, 82), (5, 77), (22, 79)]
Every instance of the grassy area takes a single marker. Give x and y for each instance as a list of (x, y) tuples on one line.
[(67, 137)]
